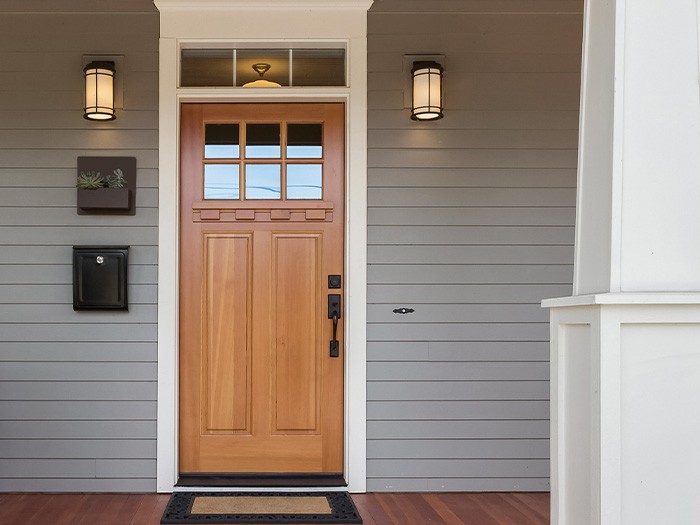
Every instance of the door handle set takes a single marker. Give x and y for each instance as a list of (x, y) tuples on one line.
[(334, 313)]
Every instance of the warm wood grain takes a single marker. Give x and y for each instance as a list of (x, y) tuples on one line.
[(376, 509), (258, 390), (296, 287), (226, 353)]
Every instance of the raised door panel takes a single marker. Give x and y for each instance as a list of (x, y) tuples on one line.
[(226, 356), (297, 350)]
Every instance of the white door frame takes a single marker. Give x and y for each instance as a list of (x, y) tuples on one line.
[(224, 23)]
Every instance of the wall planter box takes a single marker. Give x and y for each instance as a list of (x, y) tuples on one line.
[(105, 200)]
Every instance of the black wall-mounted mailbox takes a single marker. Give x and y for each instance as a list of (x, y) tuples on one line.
[(100, 277)]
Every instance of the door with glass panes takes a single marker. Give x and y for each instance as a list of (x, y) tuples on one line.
[(261, 251)]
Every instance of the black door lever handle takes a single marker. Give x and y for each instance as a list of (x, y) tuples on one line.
[(335, 352), (334, 313)]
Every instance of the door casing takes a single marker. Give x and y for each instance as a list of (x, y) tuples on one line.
[(355, 100), (336, 23)]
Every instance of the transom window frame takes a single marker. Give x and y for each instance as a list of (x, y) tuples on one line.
[(247, 45)]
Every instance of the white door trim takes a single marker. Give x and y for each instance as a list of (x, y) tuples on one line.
[(350, 30)]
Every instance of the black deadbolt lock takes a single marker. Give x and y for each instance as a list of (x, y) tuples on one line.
[(334, 281)]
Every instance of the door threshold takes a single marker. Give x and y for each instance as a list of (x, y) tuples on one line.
[(260, 480)]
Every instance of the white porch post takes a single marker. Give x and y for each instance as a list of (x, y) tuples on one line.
[(626, 347)]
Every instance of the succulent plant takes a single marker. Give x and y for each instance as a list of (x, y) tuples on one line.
[(90, 180), (117, 180)]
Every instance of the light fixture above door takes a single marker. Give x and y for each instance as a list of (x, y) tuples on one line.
[(261, 68)]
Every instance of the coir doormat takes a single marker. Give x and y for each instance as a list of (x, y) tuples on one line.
[(260, 507)]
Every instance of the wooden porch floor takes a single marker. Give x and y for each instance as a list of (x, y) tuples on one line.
[(453, 508)]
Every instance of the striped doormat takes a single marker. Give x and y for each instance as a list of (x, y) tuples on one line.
[(260, 507)]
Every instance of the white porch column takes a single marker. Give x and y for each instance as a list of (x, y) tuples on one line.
[(625, 359)]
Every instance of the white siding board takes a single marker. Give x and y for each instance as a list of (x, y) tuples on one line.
[(470, 224), (74, 385)]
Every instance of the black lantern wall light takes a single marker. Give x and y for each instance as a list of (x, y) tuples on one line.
[(99, 91), (427, 90)]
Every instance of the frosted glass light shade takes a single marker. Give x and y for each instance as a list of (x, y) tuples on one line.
[(99, 91), (427, 91)]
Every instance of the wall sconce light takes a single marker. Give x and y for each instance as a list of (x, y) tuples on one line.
[(427, 91), (99, 91)]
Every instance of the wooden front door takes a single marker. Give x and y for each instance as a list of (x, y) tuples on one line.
[(261, 231)]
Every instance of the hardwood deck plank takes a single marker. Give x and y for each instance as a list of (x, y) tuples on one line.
[(501, 510), (536, 513), (535, 501), (21, 508), (61, 509), (150, 510), (468, 508), (445, 512), (415, 508), (360, 501)]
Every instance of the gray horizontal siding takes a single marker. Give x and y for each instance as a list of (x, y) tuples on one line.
[(471, 225), (77, 389)]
